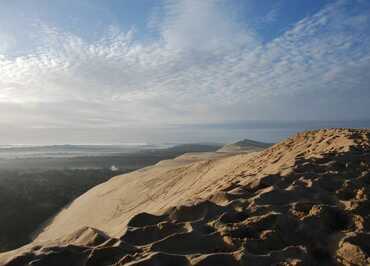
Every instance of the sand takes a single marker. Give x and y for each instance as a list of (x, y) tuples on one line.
[(245, 145), (303, 201)]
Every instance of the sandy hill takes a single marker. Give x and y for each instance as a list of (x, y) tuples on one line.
[(195, 147), (303, 201), (245, 145)]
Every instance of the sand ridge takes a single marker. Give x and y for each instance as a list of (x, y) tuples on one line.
[(303, 201), (245, 145)]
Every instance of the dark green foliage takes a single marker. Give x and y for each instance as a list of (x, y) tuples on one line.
[(27, 199)]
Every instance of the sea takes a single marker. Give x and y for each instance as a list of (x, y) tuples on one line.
[(23, 151)]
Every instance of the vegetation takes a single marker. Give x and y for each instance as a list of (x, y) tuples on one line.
[(27, 199)]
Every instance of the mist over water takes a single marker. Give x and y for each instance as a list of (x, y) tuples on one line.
[(20, 151), (266, 131)]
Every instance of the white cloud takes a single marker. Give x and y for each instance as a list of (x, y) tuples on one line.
[(206, 67), (204, 25)]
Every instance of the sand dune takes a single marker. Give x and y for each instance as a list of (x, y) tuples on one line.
[(303, 201), (245, 145)]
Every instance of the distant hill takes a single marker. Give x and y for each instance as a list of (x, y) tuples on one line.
[(245, 145), (195, 147)]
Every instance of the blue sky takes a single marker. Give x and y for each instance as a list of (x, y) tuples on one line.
[(106, 71), (89, 19)]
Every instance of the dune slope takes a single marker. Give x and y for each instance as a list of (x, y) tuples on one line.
[(303, 201), (245, 145)]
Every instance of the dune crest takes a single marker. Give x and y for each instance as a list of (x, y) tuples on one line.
[(303, 201), (245, 145)]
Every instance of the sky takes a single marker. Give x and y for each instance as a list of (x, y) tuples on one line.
[(179, 70)]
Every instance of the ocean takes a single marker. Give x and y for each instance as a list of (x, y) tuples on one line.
[(22, 151)]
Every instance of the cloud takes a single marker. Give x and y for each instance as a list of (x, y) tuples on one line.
[(204, 25), (272, 15), (206, 67)]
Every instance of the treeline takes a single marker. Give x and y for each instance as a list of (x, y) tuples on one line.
[(28, 199)]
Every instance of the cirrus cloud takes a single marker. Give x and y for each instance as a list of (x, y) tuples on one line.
[(205, 67)]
